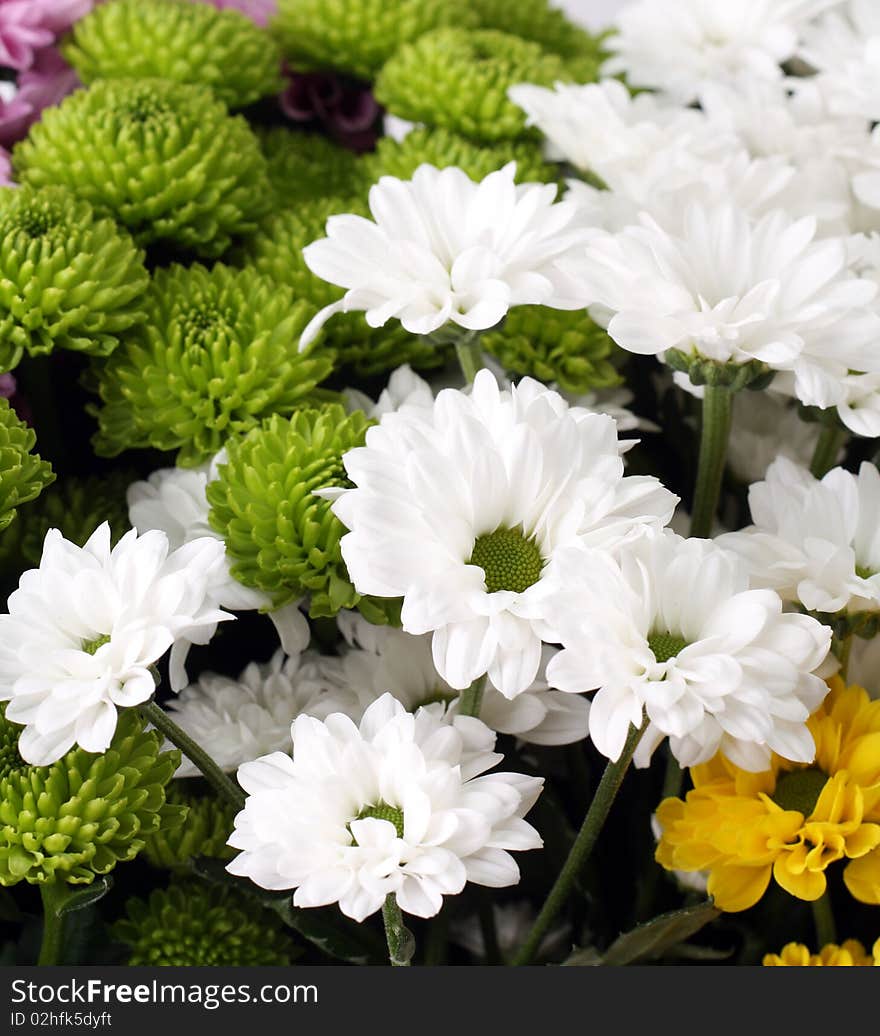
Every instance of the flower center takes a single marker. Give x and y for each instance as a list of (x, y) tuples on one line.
[(382, 811), (800, 790), (666, 645), (91, 646), (863, 572), (509, 560)]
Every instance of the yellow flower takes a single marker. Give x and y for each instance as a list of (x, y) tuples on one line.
[(790, 822), (850, 955)]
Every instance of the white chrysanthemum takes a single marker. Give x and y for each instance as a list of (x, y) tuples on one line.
[(614, 402), (382, 659), (734, 290), (675, 633), (457, 508), (174, 501), (834, 156), (679, 47), (601, 128), (441, 248), (844, 46), (84, 628), (815, 541), (236, 721), (404, 388), (766, 426), (387, 807)]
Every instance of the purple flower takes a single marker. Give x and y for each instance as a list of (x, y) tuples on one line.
[(345, 109), (5, 181), (45, 83), (22, 32)]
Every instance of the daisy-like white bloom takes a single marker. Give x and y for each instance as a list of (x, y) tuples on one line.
[(674, 633), (441, 248), (457, 508), (381, 659), (679, 48), (174, 501), (400, 804), (404, 388), (815, 541), (765, 426), (844, 47), (237, 720), (84, 628), (734, 290)]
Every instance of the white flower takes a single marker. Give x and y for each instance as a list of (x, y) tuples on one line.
[(457, 508), (174, 501), (766, 426), (601, 128), (844, 46), (733, 290), (864, 665), (84, 628), (614, 402), (404, 388), (679, 47), (381, 659), (236, 721), (386, 807), (815, 541), (674, 632), (443, 248)]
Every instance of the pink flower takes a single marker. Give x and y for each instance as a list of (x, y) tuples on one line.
[(58, 15), (45, 83), (259, 11), (5, 181), (22, 32)]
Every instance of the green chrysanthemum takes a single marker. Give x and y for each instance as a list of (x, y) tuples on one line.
[(459, 79), (280, 537), (204, 832), (67, 278), (538, 21), (76, 506), (165, 159), (359, 36), (441, 148), (23, 475), (218, 353), (276, 251), (192, 924), (179, 40), (303, 166), (84, 814), (554, 345)]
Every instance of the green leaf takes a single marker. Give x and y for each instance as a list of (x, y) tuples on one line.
[(324, 927), (83, 896), (650, 940)]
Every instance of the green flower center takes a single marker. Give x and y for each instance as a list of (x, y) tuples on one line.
[(91, 646), (382, 811), (35, 220), (143, 106), (509, 560), (666, 645), (800, 790), (863, 572)]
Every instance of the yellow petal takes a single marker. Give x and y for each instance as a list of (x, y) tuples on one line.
[(737, 888)]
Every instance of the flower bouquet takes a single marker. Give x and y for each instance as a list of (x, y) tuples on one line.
[(439, 499)]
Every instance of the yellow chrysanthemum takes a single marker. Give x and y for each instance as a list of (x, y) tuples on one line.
[(791, 822), (850, 955)]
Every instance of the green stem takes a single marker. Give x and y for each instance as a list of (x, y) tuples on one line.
[(470, 356), (491, 949), (583, 845), (222, 783), (831, 439), (53, 894), (714, 435), (842, 649), (823, 917), (399, 937), (471, 698)]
